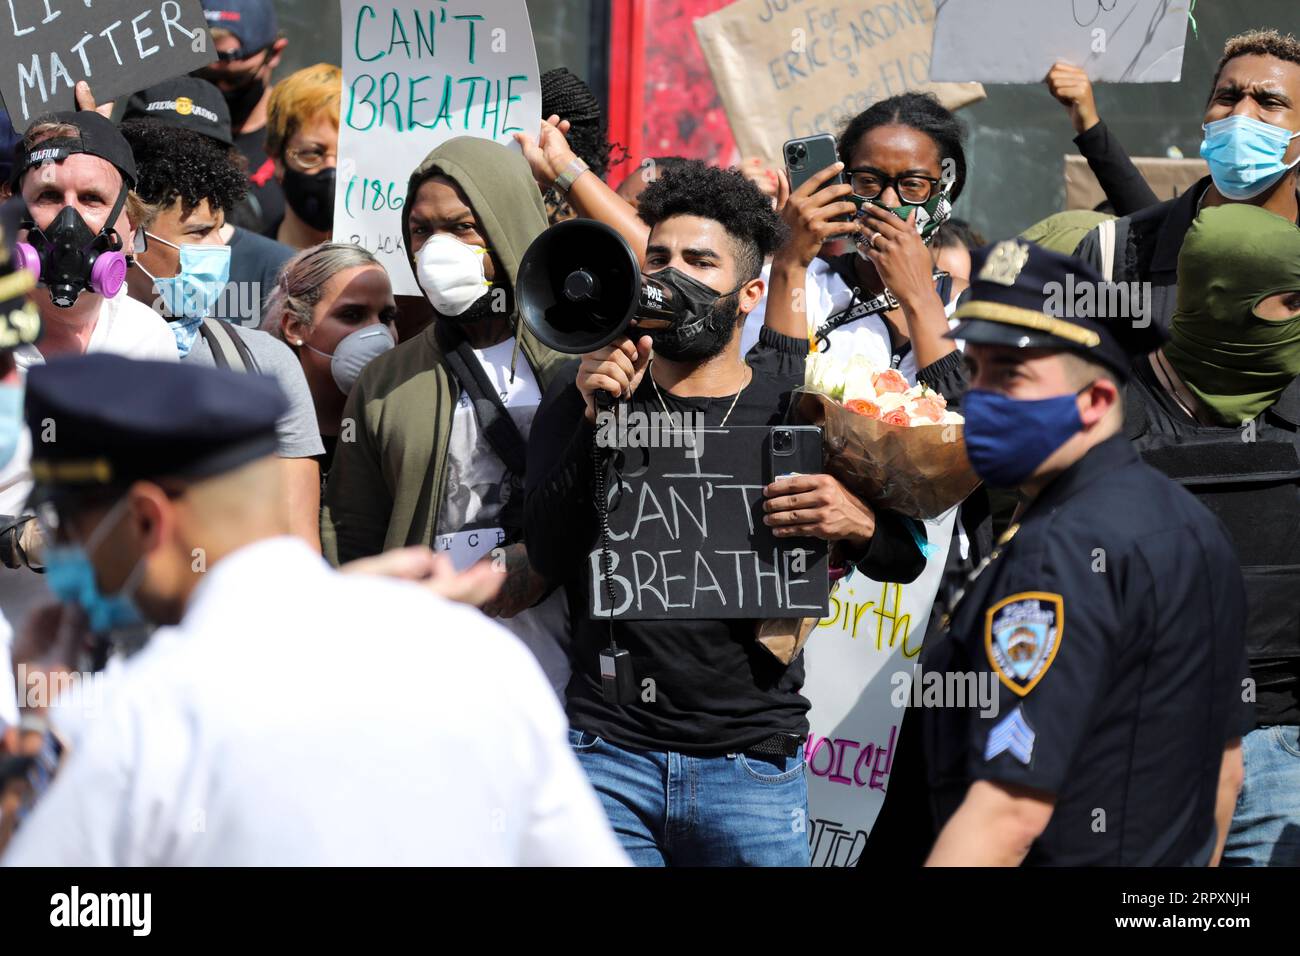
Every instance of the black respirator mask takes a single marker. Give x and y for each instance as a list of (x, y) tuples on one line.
[(68, 259), (702, 319)]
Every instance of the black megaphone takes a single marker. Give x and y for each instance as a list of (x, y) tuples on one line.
[(580, 287)]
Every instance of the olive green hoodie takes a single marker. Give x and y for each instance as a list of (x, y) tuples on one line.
[(387, 483)]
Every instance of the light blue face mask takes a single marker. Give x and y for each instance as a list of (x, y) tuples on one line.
[(11, 421), (1245, 155), (71, 577), (190, 295)]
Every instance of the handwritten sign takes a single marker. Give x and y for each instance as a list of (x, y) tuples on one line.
[(687, 538), (416, 75), (858, 659), (787, 68), (117, 46), (1010, 41)]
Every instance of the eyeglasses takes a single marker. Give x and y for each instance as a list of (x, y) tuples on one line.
[(310, 157), (912, 188)]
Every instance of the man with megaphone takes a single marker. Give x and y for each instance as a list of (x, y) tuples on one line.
[(708, 769)]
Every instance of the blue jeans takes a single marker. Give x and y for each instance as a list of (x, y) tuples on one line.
[(670, 809), (1265, 827)]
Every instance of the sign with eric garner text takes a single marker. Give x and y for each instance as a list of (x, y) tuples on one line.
[(117, 46), (415, 75), (687, 538)]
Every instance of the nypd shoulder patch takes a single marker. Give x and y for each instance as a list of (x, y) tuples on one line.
[(1012, 735), (1022, 634)]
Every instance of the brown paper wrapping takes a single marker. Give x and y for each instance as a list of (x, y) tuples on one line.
[(920, 472)]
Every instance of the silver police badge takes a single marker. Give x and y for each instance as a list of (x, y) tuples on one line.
[(1022, 634)]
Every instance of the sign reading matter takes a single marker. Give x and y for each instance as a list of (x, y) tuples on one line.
[(415, 75), (117, 46), (687, 538)]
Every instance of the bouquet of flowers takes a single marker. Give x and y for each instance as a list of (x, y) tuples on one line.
[(892, 445)]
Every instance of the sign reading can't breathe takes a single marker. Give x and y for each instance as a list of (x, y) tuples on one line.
[(117, 46)]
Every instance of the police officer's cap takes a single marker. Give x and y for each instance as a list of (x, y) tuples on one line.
[(100, 422), (1025, 296)]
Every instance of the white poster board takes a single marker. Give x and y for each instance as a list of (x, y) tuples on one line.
[(853, 661), (1014, 41), (416, 75)]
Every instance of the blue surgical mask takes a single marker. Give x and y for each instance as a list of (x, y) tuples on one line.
[(1008, 438), (1245, 155), (11, 421), (190, 295), (71, 577)]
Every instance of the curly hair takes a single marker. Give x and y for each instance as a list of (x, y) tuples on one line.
[(1283, 46), (724, 195), (922, 112), (174, 163)]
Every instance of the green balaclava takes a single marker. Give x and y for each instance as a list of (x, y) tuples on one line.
[(1233, 257)]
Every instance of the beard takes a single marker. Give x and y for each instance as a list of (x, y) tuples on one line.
[(706, 342)]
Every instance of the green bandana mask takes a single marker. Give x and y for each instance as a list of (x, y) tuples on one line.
[(928, 216), (1233, 257)]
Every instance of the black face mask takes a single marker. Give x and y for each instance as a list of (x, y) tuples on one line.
[(243, 99), (311, 197), (707, 318), (71, 259)]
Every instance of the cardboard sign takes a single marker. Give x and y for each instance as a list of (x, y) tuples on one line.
[(687, 538), (786, 68), (416, 75), (117, 46), (1168, 179), (1011, 41), (861, 661)]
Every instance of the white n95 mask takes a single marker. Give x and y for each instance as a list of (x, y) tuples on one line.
[(451, 273)]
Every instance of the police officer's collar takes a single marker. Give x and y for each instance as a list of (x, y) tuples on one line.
[(1115, 452)]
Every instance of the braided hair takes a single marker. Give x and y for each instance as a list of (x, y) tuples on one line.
[(303, 278)]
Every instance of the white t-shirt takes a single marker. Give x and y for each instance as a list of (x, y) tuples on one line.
[(476, 492), (365, 722), (826, 294), (124, 327)]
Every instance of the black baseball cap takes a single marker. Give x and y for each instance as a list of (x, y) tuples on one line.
[(96, 136), (1025, 296), (186, 102)]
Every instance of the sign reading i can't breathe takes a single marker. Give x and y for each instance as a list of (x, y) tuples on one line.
[(415, 75), (117, 46), (687, 538)]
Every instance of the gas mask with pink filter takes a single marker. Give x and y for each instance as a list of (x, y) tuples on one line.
[(68, 259)]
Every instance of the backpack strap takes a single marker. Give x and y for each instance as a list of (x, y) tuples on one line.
[(228, 349), (1106, 234)]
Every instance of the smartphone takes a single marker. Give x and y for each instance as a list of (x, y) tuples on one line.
[(793, 450), (807, 156)]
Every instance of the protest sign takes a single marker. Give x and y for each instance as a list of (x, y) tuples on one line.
[(117, 46), (860, 662), (686, 532), (416, 75), (1010, 41), (1168, 178), (787, 68)]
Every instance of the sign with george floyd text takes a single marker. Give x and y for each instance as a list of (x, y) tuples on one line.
[(786, 69), (415, 75), (117, 46), (687, 538)]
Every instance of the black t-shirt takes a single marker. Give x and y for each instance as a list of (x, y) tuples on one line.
[(263, 210), (716, 690), (1109, 627), (1258, 505)]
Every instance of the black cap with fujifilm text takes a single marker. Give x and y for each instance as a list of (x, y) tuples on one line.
[(96, 136), (115, 420), (187, 102)]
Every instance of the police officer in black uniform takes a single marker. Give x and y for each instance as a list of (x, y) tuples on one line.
[(1107, 626)]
